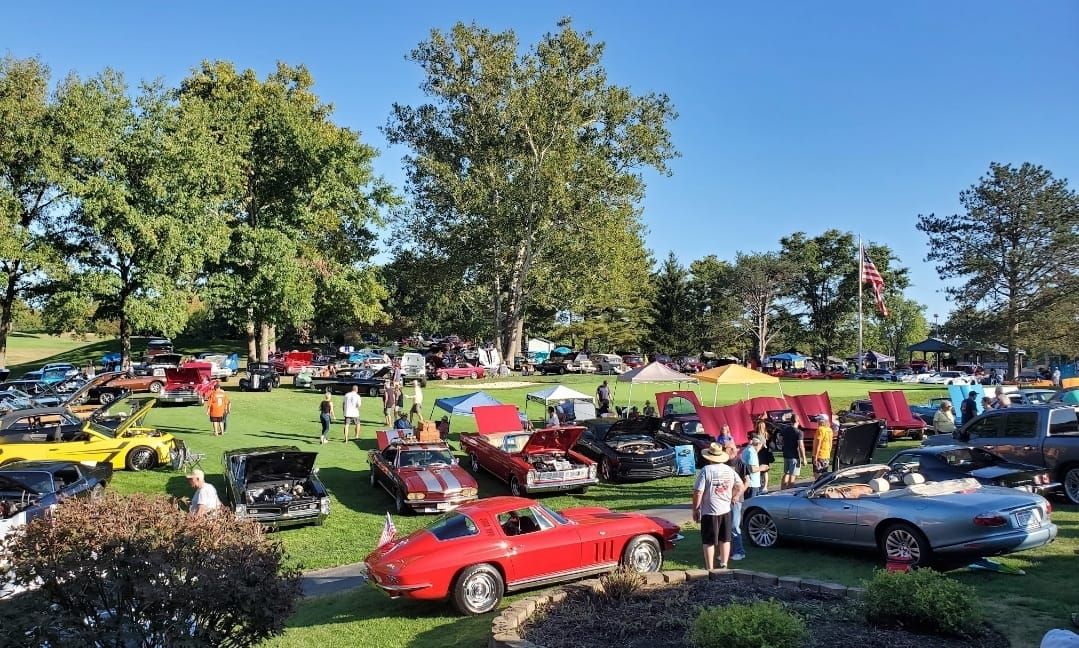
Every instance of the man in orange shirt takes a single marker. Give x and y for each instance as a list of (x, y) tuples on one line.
[(218, 407)]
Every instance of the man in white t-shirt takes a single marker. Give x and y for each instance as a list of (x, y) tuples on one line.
[(205, 499), (351, 411), (717, 484)]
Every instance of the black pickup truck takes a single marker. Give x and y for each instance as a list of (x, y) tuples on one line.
[(1041, 435)]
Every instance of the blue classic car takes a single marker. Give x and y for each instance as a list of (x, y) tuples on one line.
[(903, 517)]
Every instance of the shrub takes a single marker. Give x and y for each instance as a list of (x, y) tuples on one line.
[(764, 624), (137, 571), (622, 584), (922, 601)]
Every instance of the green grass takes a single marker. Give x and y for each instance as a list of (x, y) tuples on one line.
[(1021, 606)]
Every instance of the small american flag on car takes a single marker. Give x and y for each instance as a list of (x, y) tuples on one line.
[(871, 275), (389, 531)]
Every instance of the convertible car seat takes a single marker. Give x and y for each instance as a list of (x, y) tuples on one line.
[(912, 479), (879, 485), (528, 525)]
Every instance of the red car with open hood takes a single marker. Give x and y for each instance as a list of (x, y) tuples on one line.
[(529, 462), (504, 544), (421, 477)]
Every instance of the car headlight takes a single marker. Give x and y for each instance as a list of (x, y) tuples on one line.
[(417, 496), (530, 478), (324, 505), (241, 510), (592, 471), (468, 492)]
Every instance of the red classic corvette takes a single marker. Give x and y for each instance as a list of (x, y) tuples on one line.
[(504, 544), (421, 477), (530, 462), (462, 370)]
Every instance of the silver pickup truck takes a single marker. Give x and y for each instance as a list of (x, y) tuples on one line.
[(1041, 435)]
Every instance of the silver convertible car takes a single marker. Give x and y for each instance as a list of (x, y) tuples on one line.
[(902, 516)]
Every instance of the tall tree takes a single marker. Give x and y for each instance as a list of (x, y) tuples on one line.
[(825, 283), (714, 310), (303, 202), (759, 282), (672, 303), (904, 326), (520, 161), (34, 158), (1014, 248), (147, 218)]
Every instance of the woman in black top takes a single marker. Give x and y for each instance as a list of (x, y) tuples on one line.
[(325, 416)]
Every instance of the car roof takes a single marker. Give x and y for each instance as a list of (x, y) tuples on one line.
[(35, 411), (263, 450), (496, 504), (42, 465)]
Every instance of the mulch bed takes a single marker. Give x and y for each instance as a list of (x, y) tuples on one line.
[(660, 617)]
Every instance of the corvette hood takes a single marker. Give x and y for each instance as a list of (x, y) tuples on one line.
[(560, 439), (448, 480), (271, 465)]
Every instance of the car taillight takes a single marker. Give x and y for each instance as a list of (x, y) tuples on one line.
[(1048, 509), (1042, 478), (990, 520)]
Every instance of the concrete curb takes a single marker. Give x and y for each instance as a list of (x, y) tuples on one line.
[(506, 627)]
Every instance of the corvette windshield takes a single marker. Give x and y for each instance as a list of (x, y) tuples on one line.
[(425, 458)]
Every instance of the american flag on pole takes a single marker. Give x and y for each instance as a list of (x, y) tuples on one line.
[(389, 531), (871, 275)]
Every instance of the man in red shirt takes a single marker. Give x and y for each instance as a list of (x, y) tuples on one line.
[(218, 407)]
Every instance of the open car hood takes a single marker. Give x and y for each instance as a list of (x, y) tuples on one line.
[(184, 375), (561, 439), (269, 465), (644, 425), (857, 443), (98, 380)]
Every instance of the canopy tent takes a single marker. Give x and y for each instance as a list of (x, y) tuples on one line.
[(874, 357), (735, 374), (462, 405), (653, 372), (557, 393), (786, 357), (931, 345)]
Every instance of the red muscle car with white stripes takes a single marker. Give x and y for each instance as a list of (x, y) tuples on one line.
[(421, 477)]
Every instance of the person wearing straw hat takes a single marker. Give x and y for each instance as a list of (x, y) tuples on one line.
[(716, 486)]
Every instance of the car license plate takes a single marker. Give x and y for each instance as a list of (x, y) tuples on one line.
[(178, 399), (1028, 519), (442, 506)]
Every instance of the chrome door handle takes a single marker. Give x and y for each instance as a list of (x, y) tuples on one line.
[(1028, 447)]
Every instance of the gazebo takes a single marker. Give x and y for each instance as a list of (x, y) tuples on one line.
[(932, 345)]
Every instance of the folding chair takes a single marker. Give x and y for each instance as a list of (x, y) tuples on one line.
[(183, 458)]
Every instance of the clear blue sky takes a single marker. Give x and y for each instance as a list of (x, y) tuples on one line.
[(856, 115)]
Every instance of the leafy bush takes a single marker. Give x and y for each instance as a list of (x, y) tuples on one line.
[(764, 624), (923, 601), (622, 584), (136, 570)]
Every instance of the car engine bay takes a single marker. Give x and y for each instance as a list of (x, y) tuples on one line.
[(550, 462), (283, 492), (634, 446)]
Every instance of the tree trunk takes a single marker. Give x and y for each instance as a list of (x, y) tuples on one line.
[(273, 338), (500, 338), (264, 342), (6, 307), (125, 339), (252, 345)]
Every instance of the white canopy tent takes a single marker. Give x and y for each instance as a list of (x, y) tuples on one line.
[(584, 405), (655, 372)]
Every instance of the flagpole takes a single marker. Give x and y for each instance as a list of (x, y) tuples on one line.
[(861, 278)]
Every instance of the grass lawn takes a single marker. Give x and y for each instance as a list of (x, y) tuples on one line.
[(1030, 604)]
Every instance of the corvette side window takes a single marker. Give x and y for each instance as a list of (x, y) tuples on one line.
[(522, 521)]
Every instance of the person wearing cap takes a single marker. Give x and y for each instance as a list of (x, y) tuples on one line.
[(822, 445), (205, 499), (716, 487), (752, 463)]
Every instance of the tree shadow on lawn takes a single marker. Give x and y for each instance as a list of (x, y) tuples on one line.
[(353, 490)]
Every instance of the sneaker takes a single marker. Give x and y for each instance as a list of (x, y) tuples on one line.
[(738, 556), (722, 566)]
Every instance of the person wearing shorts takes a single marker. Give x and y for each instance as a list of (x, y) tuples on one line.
[(716, 486), (217, 406), (794, 455), (351, 411)]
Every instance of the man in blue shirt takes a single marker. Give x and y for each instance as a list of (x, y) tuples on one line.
[(753, 466)]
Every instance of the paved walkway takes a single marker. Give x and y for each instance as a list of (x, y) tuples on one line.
[(334, 580)]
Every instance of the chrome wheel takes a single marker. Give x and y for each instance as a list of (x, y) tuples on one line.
[(515, 487), (901, 544), (1071, 485), (141, 458), (155, 387), (762, 529), (605, 470), (480, 591), (643, 555), (475, 463), (105, 398)]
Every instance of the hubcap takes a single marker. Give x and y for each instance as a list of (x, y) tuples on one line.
[(903, 545), (515, 488), (141, 460), (763, 530), (644, 558), (475, 464), (605, 470), (1071, 485), (480, 591)]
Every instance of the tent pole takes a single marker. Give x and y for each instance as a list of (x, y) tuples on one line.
[(715, 395)]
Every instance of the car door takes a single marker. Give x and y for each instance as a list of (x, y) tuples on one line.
[(1019, 439), (383, 466), (985, 432), (551, 549), (589, 443), (822, 518)]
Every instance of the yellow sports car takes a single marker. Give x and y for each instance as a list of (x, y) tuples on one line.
[(119, 439)]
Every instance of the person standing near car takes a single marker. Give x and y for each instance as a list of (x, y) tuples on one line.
[(417, 402), (389, 401), (325, 417), (1002, 400), (738, 550), (822, 445), (351, 410), (751, 461), (217, 407), (794, 454), (603, 395), (968, 409), (716, 487), (944, 418)]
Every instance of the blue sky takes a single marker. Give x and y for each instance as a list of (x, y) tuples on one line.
[(855, 115)]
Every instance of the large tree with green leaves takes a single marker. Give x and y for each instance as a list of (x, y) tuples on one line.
[(148, 218), (1014, 248), (713, 317), (759, 282), (303, 202), (522, 162), (904, 326), (824, 284), (35, 147), (671, 329)]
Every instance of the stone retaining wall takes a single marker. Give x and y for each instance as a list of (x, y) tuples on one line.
[(506, 628)]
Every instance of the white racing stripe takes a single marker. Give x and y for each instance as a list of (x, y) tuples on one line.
[(430, 481), (452, 483)]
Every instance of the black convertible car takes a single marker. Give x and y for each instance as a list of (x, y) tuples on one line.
[(940, 463), (370, 382), (277, 486), (626, 448)]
